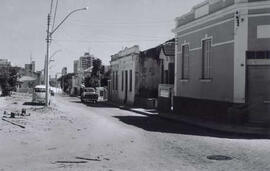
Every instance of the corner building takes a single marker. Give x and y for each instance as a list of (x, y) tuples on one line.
[(222, 67)]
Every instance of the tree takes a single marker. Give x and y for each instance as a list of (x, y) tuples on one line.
[(94, 79), (96, 67), (8, 79)]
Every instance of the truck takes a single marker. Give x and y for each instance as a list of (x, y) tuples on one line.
[(89, 94)]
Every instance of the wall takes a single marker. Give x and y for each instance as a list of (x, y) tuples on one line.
[(148, 77), (123, 61), (255, 43), (220, 87)]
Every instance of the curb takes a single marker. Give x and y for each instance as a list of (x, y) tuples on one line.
[(233, 129)]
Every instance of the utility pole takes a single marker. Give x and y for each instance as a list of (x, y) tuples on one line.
[(48, 41), (46, 74)]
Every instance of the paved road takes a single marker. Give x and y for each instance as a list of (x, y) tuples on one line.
[(99, 137)]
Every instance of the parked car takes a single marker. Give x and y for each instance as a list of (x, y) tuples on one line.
[(39, 94), (89, 94)]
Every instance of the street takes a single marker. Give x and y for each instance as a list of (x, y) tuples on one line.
[(70, 135)]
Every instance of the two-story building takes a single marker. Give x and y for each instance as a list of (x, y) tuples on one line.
[(223, 60)]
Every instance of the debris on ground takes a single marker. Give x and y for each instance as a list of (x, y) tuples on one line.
[(70, 162), (90, 159), (13, 123), (14, 114)]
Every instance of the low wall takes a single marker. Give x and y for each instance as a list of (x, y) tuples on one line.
[(209, 109), (149, 103)]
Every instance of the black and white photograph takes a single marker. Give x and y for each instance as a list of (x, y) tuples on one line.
[(135, 85)]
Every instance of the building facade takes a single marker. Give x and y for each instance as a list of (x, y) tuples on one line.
[(4, 63), (123, 70), (222, 59), (30, 68), (76, 66), (86, 61), (166, 84)]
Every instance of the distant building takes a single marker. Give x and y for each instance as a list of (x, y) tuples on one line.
[(86, 61), (4, 63), (64, 71), (30, 68), (76, 66)]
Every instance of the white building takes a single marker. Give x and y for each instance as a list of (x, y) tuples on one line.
[(4, 62), (123, 69), (86, 61)]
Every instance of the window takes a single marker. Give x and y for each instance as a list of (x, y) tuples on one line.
[(258, 54), (185, 62), (90, 90), (162, 70), (116, 85), (206, 59), (113, 80), (130, 80), (122, 80), (40, 90)]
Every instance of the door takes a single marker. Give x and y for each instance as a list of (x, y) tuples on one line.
[(258, 90)]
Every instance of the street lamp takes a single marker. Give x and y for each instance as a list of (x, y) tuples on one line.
[(51, 57), (48, 39)]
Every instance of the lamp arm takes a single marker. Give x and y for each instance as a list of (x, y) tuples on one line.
[(65, 20)]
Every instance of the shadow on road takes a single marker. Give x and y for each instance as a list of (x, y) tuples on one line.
[(32, 104), (157, 124), (98, 104)]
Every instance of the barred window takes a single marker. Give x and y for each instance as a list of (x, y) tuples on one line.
[(113, 80), (185, 62), (116, 86), (122, 80), (206, 59), (130, 80)]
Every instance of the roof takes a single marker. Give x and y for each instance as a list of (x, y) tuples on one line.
[(40, 86), (26, 78), (151, 53), (169, 47)]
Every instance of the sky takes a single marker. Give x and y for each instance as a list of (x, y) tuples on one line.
[(104, 29)]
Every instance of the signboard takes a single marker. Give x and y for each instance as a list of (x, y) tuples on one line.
[(165, 93)]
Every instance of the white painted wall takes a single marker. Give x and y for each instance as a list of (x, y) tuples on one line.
[(240, 48), (126, 61)]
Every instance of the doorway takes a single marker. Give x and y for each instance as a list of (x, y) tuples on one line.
[(258, 93)]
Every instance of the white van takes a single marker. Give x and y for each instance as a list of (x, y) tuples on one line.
[(39, 94)]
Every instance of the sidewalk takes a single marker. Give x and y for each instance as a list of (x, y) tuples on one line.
[(234, 129)]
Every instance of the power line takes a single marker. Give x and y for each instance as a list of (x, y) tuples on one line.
[(121, 25), (124, 23), (55, 12), (51, 6), (108, 41)]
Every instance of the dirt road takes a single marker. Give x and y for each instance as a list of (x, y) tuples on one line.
[(74, 136)]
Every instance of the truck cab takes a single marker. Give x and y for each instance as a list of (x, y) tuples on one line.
[(89, 94)]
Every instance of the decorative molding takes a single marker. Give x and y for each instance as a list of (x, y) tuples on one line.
[(223, 12)]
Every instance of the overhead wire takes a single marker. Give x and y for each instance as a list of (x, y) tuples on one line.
[(55, 12), (51, 7), (108, 41)]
